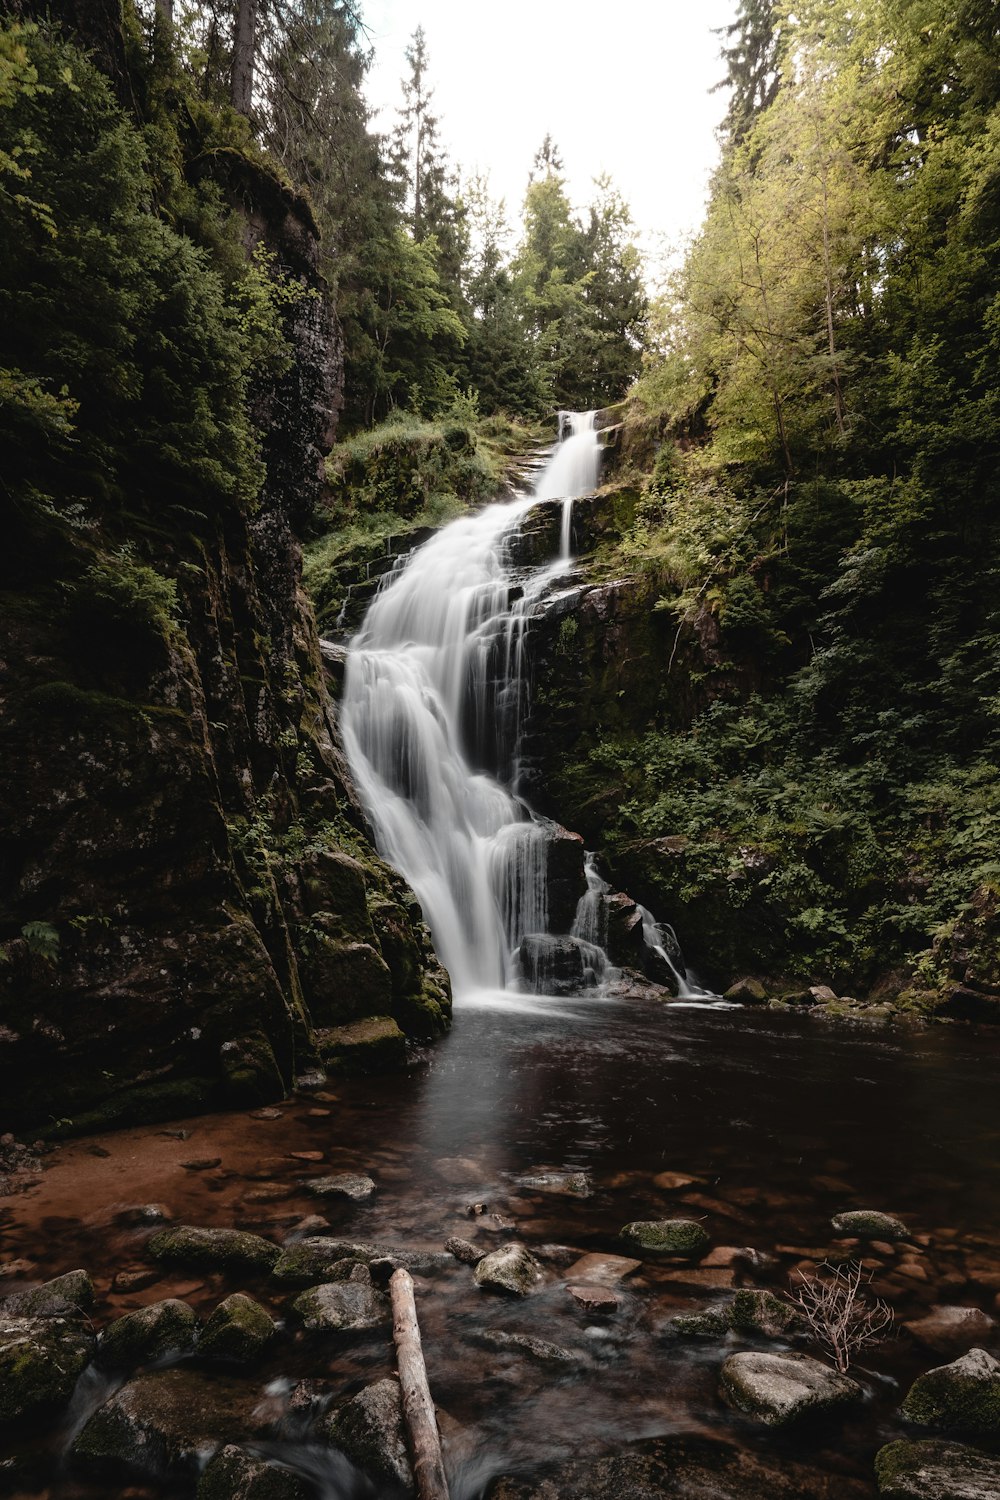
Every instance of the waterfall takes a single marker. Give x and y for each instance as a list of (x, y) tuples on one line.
[(434, 694)]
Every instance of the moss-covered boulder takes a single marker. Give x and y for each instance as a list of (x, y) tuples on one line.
[(40, 1360), (73, 1290), (212, 1249), (374, 1045), (936, 1471), (148, 1333), (251, 1072), (235, 1474), (511, 1268), (316, 1258), (747, 991), (712, 1323), (777, 1389), (684, 1238), (369, 1429), (342, 1306), (353, 1185), (755, 1310), (163, 1424), (238, 1331), (868, 1224), (961, 1397)]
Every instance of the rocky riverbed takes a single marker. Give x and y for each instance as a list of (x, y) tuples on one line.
[(602, 1228)]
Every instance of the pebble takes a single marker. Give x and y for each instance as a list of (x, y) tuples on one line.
[(605, 1269), (672, 1182), (318, 1114), (306, 1155), (17, 1267), (266, 1114), (593, 1297), (202, 1164), (134, 1281), (98, 1151)]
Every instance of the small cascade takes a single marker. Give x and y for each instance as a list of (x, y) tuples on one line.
[(573, 470), (435, 691)]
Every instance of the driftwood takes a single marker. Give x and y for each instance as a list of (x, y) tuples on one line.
[(418, 1408)]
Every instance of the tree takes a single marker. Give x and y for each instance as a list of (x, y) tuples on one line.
[(500, 356), (753, 66), (244, 48)]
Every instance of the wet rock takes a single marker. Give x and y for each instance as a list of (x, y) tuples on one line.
[(213, 1249), (759, 1311), (575, 1184), (936, 1471), (511, 1269), (673, 1182), (141, 1215), (780, 1388), (866, 1224), (202, 1164), (319, 1258), (961, 1397), (607, 1269), (680, 1237), (347, 1306), (713, 1323), (136, 1280), (342, 1185), (593, 1297), (40, 1359), (373, 1045), (682, 1468), (369, 1429), (163, 1424), (948, 1329), (539, 1350), (239, 1330), (235, 1474), (714, 1278), (822, 994), (547, 965), (149, 1333), (463, 1250), (747, 991), (63, 1294)]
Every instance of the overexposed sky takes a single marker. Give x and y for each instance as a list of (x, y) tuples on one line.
[(622, 88)]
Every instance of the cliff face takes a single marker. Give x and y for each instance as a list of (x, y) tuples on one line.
[(190, 905)]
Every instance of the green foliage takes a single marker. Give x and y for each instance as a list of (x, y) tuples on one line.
[(127, 595), (42, 939)]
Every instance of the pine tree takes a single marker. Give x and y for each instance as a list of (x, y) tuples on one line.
[(753, 65)]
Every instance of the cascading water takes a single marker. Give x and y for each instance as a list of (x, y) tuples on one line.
[(434, 695)]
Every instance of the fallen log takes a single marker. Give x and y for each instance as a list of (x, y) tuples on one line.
[(418, 1408)]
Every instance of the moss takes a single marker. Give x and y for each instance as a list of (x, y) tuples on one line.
[(238, 1331), (40, 1361), (961, 1397), (934, 1470), (375, 1044), (712, 1324), (868, 1224), (680, 1237), (236, 1473), (213, 1249), (759, 1311), (145, 1105)]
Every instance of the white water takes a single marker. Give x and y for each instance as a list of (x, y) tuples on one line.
[(433, 699)]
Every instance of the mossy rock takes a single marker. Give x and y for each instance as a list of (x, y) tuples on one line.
[(213, 1249), (344, 980), (238, 1331), (251, 1072), (146, 1104), (308, 1261), (713, 1323), (868, 1224), (342, 1306), (63, 1294), (756, 1310), (746, 991), (961, 1397), (40, 1360), (163, 1424), (369, 1429), (235, 1474), (373, 1045), (149, 1333), (778, 1389), (684, 1238), (936, 1471), (511, 1269)]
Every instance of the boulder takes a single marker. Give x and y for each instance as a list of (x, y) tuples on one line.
[(712, 1323), (150, 1332), (511, 1269), (463, 1250), (780, 1388), (936, 1471), (949, 1329), (213, 1249), (40, 1359), (235, 1474), (961, 1397), (757, 1311), (347, 1306), (369, 1429), (685, 1238), (867, 1224), (322, 1258), (163, 1424), (747, 991), (238, 1331), (342, 1185), (64, 1294), (372, 1045), (547, 965)]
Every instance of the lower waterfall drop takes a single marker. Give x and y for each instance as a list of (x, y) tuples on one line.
[(434, 695)]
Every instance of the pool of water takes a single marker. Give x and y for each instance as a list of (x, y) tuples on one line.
[(779, 1120)]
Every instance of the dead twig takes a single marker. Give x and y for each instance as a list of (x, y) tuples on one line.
[(839, 1312)]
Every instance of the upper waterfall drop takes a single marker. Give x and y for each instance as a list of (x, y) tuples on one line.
[(573, 470)]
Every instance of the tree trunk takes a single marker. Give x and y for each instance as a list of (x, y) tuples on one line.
[(243, 55), (418, 1408)]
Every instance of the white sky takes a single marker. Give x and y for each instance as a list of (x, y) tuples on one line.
[(622, 88)]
